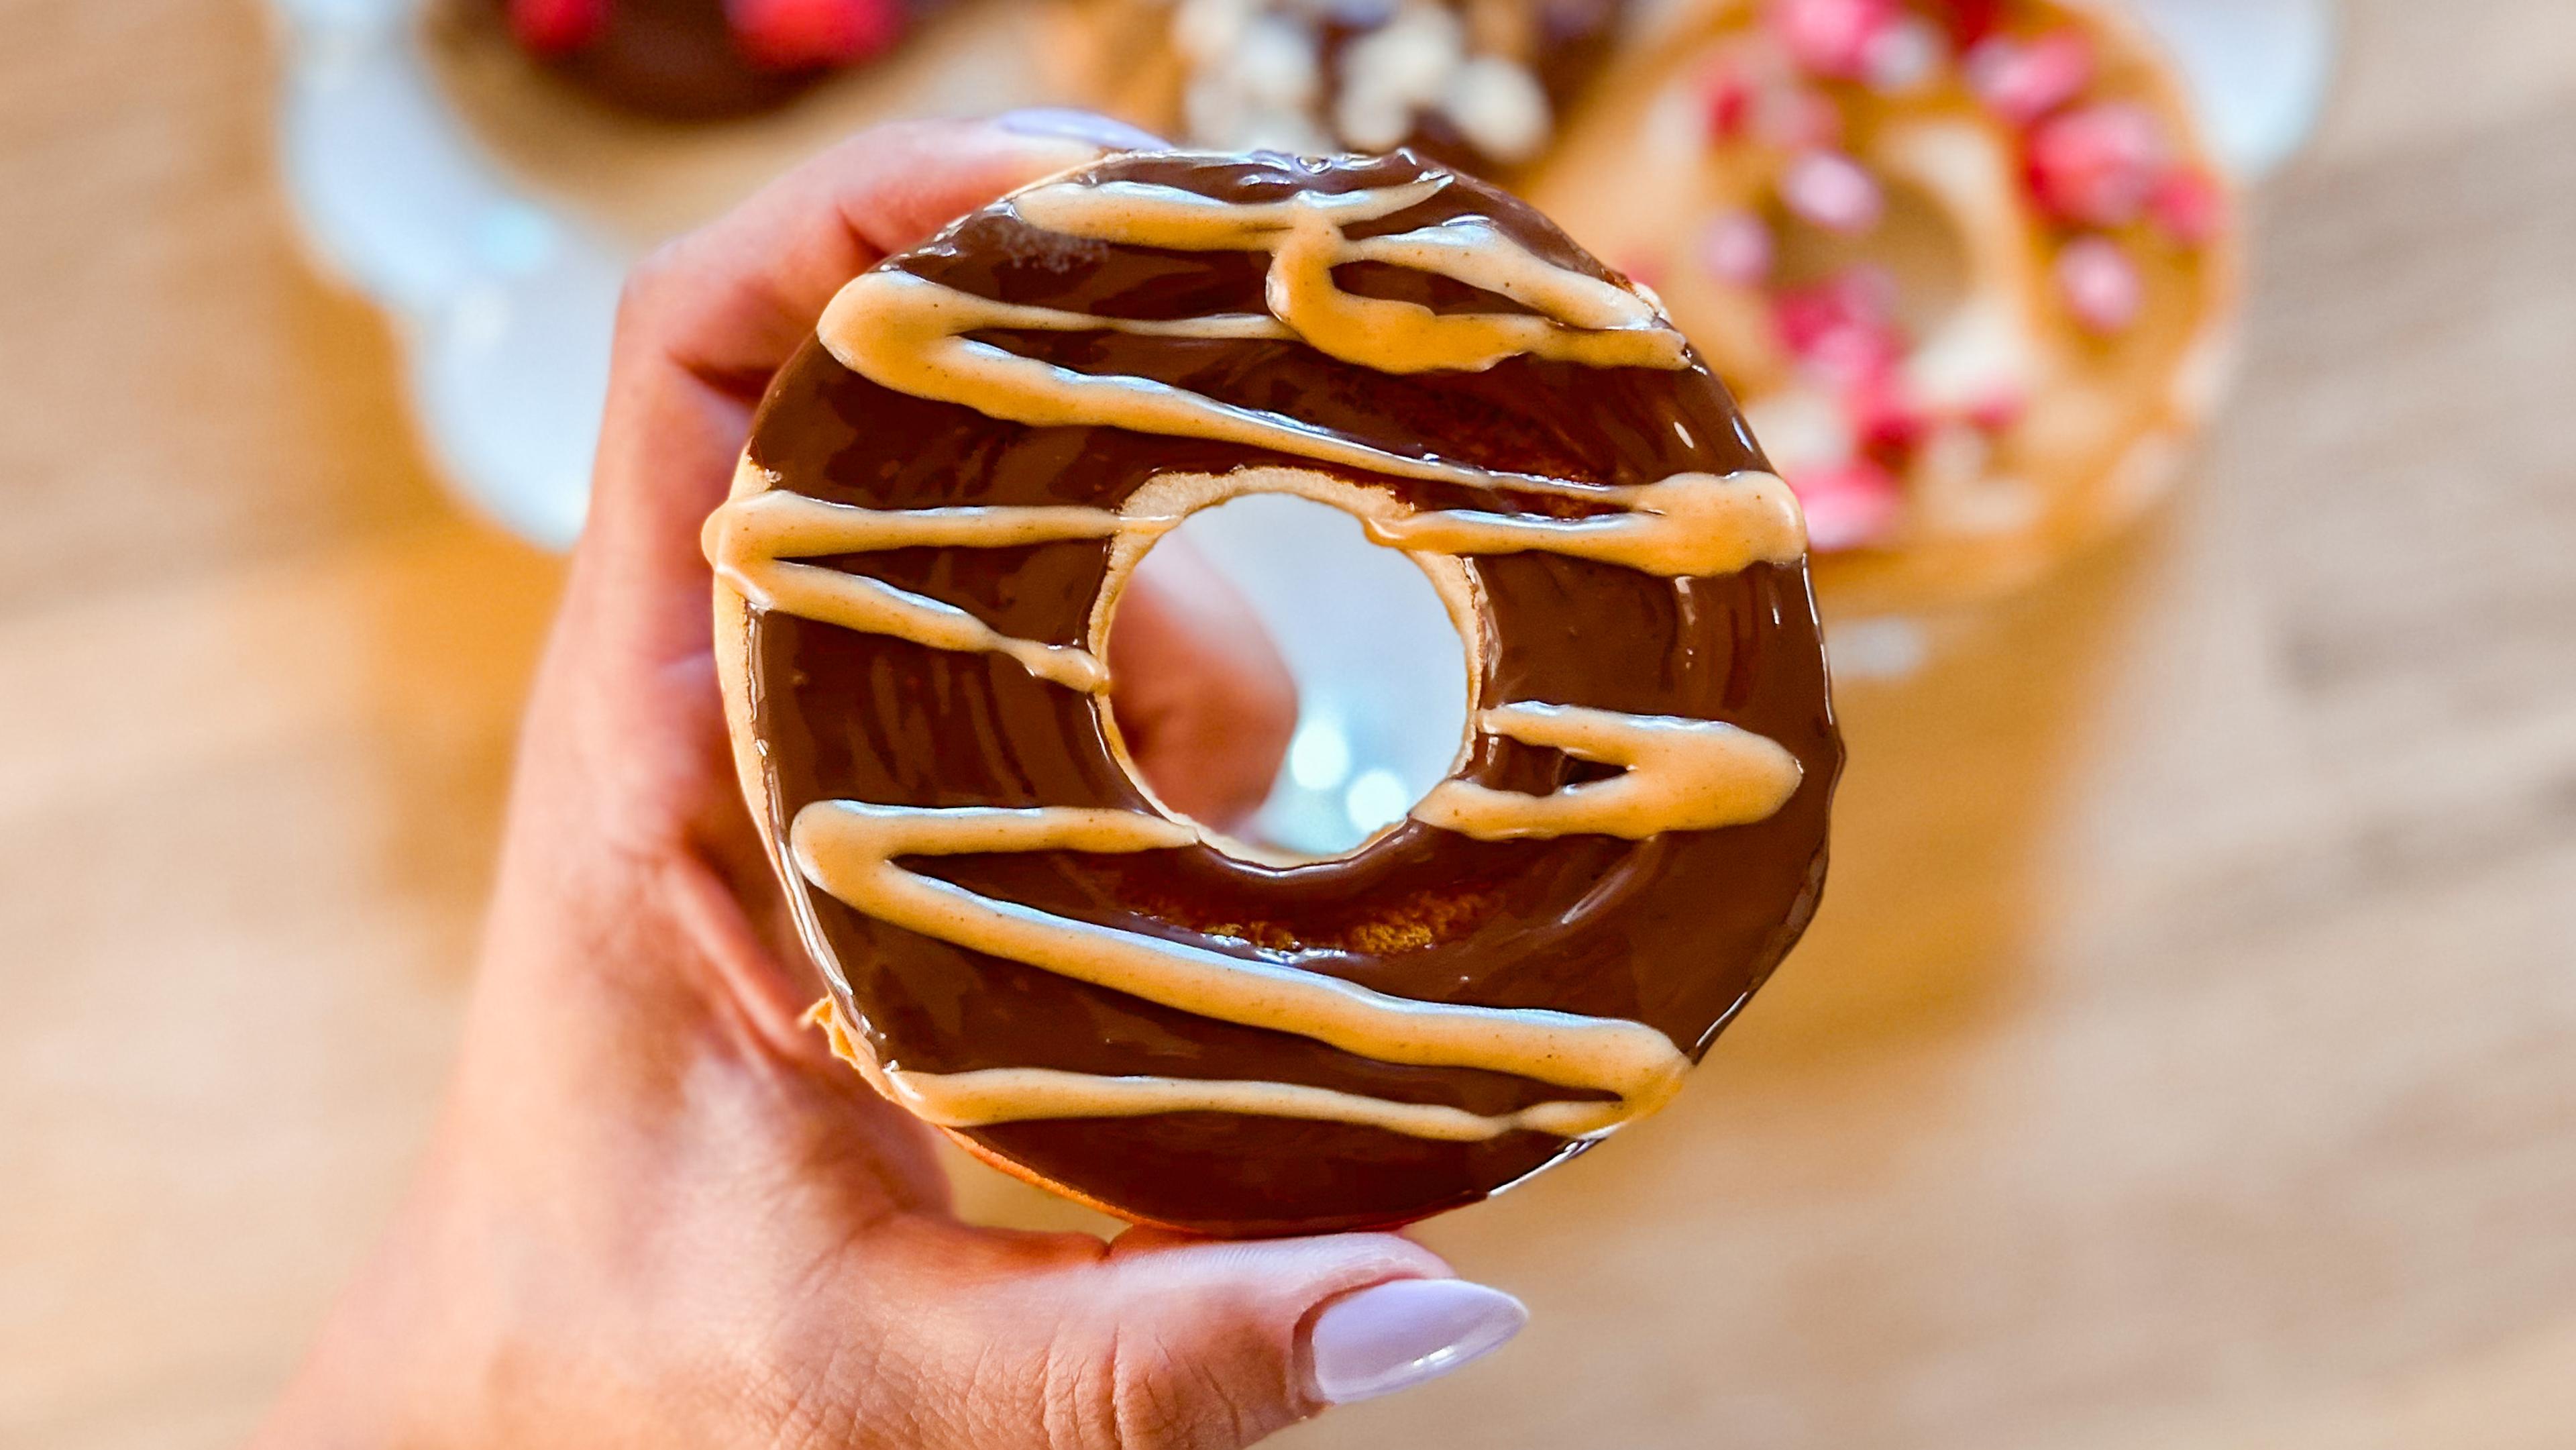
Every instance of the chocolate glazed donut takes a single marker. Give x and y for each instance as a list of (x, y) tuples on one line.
[(945, 490)]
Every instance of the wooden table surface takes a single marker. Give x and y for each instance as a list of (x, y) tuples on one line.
[(2186, 1056)]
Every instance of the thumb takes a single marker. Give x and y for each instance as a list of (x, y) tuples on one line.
[(1184, 1344)]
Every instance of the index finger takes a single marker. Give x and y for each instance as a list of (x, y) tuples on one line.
[(730, 301), (707, 319)]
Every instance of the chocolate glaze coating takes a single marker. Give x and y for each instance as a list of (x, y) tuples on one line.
[(1675, 931)]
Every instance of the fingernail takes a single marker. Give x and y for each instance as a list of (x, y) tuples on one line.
[(1064, 123), (1395, 1336)]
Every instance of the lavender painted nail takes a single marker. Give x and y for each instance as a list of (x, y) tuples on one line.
[(1396, 1336), (1064, 123)]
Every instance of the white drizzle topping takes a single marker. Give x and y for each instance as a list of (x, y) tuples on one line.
[(912, 335)]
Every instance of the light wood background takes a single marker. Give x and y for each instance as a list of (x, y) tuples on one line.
[(2186, 1057)]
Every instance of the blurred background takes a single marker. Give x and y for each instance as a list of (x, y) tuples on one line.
[(2185, 1055)]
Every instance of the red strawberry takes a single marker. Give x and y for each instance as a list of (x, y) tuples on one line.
[(2097, 166), (552, 27), (803, 34)]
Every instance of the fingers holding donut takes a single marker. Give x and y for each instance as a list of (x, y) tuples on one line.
[(710, 316), (1204, 700), (626, 716)]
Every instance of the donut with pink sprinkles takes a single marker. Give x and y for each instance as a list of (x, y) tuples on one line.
[(1967, 263)]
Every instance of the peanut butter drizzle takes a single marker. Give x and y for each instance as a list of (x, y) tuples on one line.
[(849, 849), (754, 541), (1018, 1094), (1681, 775), (1691, 524), (909, 334)]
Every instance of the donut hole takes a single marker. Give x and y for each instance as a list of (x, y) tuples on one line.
[(1916, 244), (1380, 670)]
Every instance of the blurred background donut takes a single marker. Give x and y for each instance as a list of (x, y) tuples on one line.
[(1967, 262), (690, 60), (1476, 84)]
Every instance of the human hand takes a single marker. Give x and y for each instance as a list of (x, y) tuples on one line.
[(656, 1211)]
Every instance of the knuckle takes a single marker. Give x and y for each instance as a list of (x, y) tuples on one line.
[(644, 295)]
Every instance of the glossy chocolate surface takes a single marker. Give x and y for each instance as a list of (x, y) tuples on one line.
[(1674, 931)]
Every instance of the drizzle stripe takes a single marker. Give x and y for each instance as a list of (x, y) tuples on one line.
[(1019, 1094), (1696, 524), (1576, 318), (1682, 775)]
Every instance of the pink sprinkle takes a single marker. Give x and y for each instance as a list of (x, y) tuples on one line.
[(1736, 247), (1854, 298), (2189, 205), (1727, 102), (1832, 37), (1794, 118), (799, 34), (1973, 20), (1831, 190), (1855, 357), (1903, 55), (1850, 505), (1883, 417), (2097, 165), (552, 27), (1843, 328), (1643, 269), (2023, 81), (2100, 284), (1998, 410)]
